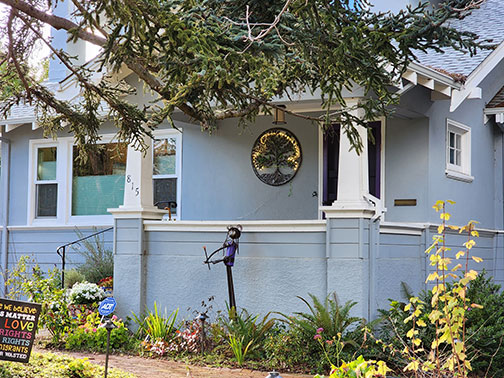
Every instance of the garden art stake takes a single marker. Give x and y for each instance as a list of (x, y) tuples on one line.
[(230, 248)]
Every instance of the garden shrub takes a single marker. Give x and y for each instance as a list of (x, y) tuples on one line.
[(454, 328), (98, 260), (158, 331), (85, 293), (38, 288), (72, 277), (92, 336), (484, 328), (295, 346), (240, 334)]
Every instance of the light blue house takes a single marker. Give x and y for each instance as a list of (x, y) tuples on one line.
[(354, 224)]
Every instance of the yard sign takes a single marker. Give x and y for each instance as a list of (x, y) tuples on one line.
[(18, 325)]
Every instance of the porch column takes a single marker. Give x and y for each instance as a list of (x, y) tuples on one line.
[(351, 233), (129, 235), (138, 187), (353, 176)]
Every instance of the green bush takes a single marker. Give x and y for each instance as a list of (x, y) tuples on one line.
[(36, 287), (484, 328), (155, 326), (294, 346), (93, 337), (241, 333), (98, 260), (49, 365), (72, 277)]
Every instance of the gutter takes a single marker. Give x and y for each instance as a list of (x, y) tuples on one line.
[(5, 179)]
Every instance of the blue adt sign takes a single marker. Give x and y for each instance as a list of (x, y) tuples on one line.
[(107, 306)]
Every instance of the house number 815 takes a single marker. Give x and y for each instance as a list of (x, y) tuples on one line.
[(135, 189)]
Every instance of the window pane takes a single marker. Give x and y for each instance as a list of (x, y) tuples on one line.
[(47, 197), (458, 158), (165, 156), (46, 164), (458, 141), (165, 190), (452, 156), (452, 139), (98, 184)]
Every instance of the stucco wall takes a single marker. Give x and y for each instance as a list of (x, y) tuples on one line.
[(406, 168), (219, 183)]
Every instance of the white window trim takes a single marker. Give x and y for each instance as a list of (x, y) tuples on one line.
[(452, 171), (64, 168), (172, 133)]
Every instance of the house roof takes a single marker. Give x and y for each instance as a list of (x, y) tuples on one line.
[(486, 22), (498, 100)]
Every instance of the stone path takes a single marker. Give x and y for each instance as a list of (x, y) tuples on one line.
[(148, 368)]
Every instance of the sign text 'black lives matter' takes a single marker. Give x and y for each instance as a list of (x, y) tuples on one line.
[(18, 325)]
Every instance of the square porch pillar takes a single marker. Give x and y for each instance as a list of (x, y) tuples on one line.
[(129, 235), (352, 231)]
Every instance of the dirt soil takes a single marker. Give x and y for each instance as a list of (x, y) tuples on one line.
[(148, 368)]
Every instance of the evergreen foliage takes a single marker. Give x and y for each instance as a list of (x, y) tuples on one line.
[(217, 59)]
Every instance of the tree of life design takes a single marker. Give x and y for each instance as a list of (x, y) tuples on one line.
[(276, 156)]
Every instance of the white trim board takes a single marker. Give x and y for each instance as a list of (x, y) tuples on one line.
[(248, 226)]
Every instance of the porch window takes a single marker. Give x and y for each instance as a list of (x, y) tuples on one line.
[(458, 151), (165, 170), (46, 186), (98, 183)]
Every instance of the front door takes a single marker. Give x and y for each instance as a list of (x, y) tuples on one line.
[(331, 162)]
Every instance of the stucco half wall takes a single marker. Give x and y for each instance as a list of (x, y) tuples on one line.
[(359, 259)]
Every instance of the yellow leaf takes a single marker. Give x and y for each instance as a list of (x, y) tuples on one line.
[(459, 254), (469, 244), (456, 267), (413, 365), (472, 274), (407, 307), (451, 202), (440, 229), (432, 277), (417, 342), (410, 333), (455, 228), (421, 323), (474, 234), (474, 305), (477, 259)]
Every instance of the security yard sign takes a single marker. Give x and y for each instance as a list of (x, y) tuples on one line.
[(18, 325), (107, 306)]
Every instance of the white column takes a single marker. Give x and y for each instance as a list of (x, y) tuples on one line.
[(353, 177), (138, 187)]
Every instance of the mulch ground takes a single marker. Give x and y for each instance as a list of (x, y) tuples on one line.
[(148, 368)]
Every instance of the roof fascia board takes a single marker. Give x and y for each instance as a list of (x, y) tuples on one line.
[(433, 74), (17, 121), (477, 76)]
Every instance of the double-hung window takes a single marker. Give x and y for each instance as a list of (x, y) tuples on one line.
[(166, 169), (458, 151), (46, 184)]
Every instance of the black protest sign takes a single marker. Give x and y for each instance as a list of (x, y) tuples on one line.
[(18, 324)]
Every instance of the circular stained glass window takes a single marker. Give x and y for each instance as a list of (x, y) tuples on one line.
[(276, 156)]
